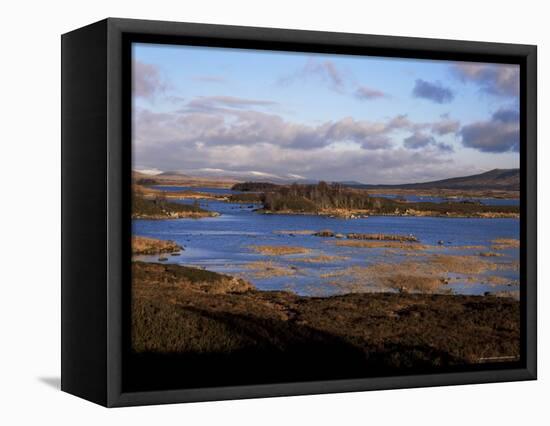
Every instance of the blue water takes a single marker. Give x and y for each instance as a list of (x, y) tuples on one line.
[(420, 198), (223, 243)]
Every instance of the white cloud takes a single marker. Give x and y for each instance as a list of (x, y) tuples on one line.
[(495, 79), (228, 136), (147, 81)]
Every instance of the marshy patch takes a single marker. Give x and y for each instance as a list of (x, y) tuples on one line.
[(292, 232), (279, 250), (465, 247), (145, 245), (383, 237), (383, 244), (490, 254), (268, 269), (326, 233), (428, 276), (511, 294), (508, 266), (504, 243), (497, 281), (458, 264), (322, 258)]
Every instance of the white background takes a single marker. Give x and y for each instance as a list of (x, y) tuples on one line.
[(30, 211)]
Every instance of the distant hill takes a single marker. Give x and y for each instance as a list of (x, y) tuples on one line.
[(138, 175), (222, 175), (172, 175), (497, 179)]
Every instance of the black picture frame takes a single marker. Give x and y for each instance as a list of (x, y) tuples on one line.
[(96, 178)]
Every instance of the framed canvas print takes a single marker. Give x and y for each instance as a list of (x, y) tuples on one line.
[(253, 212)]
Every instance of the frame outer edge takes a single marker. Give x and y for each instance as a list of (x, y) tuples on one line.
[(115, 221), (531, 178), (116, 28)]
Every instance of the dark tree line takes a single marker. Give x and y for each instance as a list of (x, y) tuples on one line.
[(254, 186), (316, 197)]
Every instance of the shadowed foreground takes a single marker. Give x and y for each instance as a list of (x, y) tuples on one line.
[(198, 328)]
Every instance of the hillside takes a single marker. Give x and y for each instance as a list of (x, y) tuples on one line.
[(497, 179)]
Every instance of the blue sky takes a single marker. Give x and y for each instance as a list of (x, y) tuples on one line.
[(203, 110)]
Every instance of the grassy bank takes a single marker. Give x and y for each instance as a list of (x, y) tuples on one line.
[(203, 327)]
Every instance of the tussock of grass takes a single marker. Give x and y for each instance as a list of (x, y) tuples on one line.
[(495, 280), (144, 245), (269, 269), (509, 266), (383, 244), (383, 237), (511, 294), (279, 250), (428, 276), (466, 247), (504, 243), (490, 254), (322, 258), (296, 232), (327, 233), (458, 264)]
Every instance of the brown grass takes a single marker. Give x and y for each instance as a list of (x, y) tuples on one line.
[(427, 276), (383, 237), (327, 233), (490, 254), (458, 264), (382, 244), (507, 294), (504, 243), (144, 245), (508, 266), (466, 247), (297, 232), (495, 280), (269, 269), (175, 278), (279, 250), (322, 258)]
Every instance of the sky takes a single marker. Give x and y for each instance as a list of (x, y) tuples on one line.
[(238, 112)]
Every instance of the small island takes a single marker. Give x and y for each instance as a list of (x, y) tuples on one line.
[(158, 207), (338, 200)]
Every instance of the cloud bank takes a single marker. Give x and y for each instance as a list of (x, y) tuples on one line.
[(434, 92), (499, 134), (494, 79), (232, 134), (366, 93), (147, 81)]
